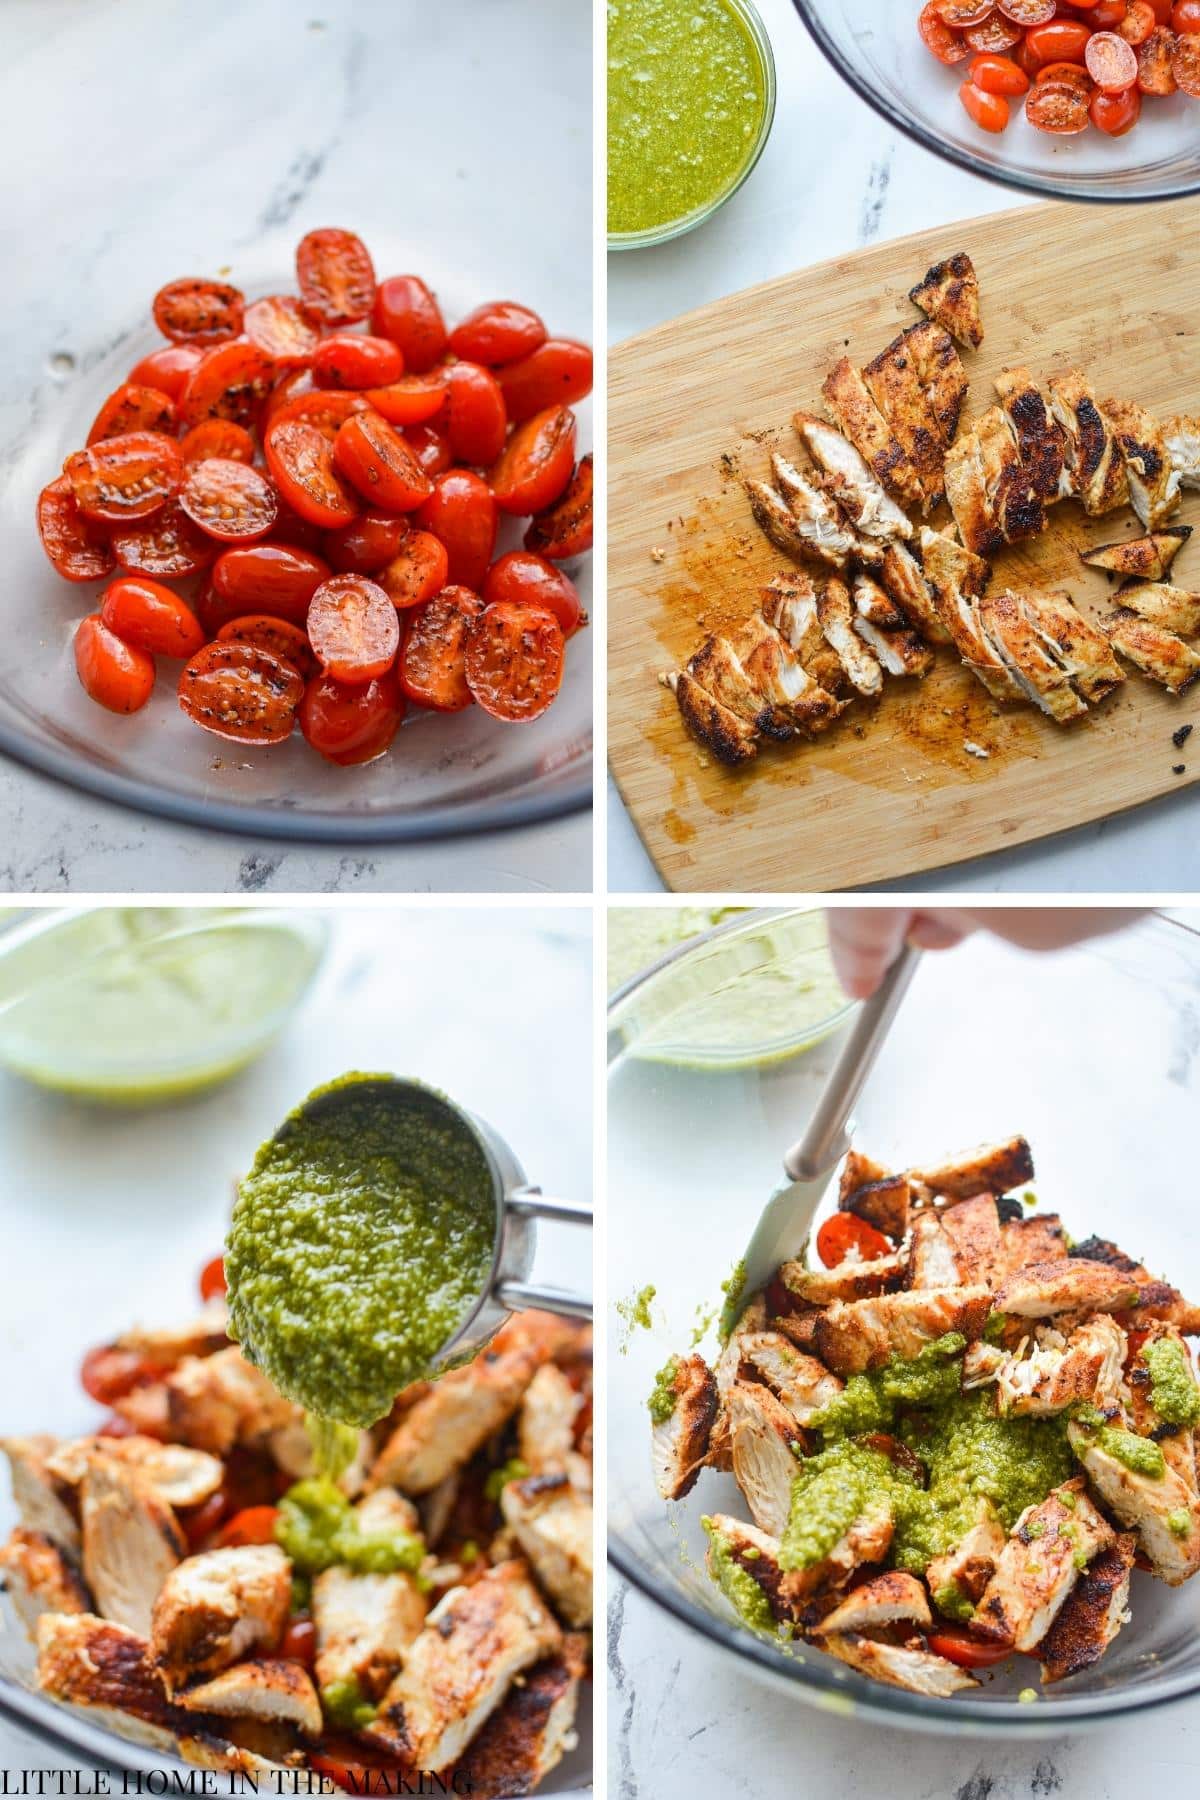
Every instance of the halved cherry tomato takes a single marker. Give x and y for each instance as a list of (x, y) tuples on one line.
[(1072, 75), (515, 661), (283, 639), (326, 408), (169, 545), (217, 437), (279, 579), (407, 312), (108, 1374), (241, 692), (430, 448), (566, 529), (989, 111), (1138, 22), (198, 312), (412, 399), (1116, 113), (1027, 12), (1155, 59), (350, 725), (475, 420), (150, 617), (558, 373), (111, 672), (367, 544), (230, 382), (167, 369), (1185, 63), (253, 1525), (503, 331), (419, 570), (999, 75), (959, 13), (1111, 62), (525, 579), (133, 408), (997, 34), (537, 463), (948, 46), (432, 666), (1058, 108), (124, 478), (375, 459), (968, 1652), (212, 1279), (299, 1641), (461, 512), (76, 547), (280, 326), (336, 276), (286, 388), (199, 1522), (300, 457), (349, 360), (843, 1232), (1185, 16), (1062, 40), (229, 501), (353, 628)]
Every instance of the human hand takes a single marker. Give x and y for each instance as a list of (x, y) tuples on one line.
[(865, 940)]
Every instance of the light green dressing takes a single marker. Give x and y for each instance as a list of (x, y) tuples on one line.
[(1173, 1391)]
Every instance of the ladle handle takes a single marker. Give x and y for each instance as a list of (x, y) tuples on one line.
[(531, 1203), (826, 1139), (518, 1294)]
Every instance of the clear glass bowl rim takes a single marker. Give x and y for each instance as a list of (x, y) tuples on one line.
[(845, 1689)]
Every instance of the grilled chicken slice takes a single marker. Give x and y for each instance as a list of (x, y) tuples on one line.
[(131, 1542), (973, 1229), (940, 373), (1039, 436), (680, 1443), (901, 577), (894, 380), (726, 1371), (1154, 482), (1146, 558), (1163, 1509), (531, 1732), (799, 1382), (1039, 1566), (886, 631), (1012, 495), (917, 1670), (553, 1525), (763, 1438), (455, 1418), (546, 1425), (1040, 1239), (203, 1335), (1007, 626), (476, 1642), (849, 1280), (1177, 1442), (956, 577), (794, 694), (948, 293), (882, 1600), (1092, 1614), (1059, 1373), (964, 1571), (931, 1259), (215, 1402), (836, 613), (1041, 1290), (38, 1578), (729, 738), (218, 1607), (873, 1193), (179, 1475), (850, 405), (818, 517), (41, 1501), (967, 491), (87, 1661), (718, 669), (364, 1625), (859, 1334), (1073, 641), (865, 502), (737, 1543), (1159, 654), (266, 1689), (1094, 468), (789, 604), (1174, 608), (988, 1169), (1182, 438)]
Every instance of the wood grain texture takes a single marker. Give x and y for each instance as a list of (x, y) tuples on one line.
[(697, 403)]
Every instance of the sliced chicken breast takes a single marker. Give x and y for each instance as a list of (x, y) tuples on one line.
[(1092, 1614), (886, 631), (1154, 482), (1041, 1290), (679, 1444), (850, 405), (456, 1417), (39, 1577), (1020, 647), (818, 518), (1083, 652), (1162, 1509), (364, 1624), (131, 1542), (552, 1524), (859, 1334), (799, 1382), (764, 1438), (1174, 608), (896, 1664), (865, 502), (901, 577), (886, 1599), (265, 1689), (1158, 653), (836, 613), (530, 1733), (1039, 436), (1182, 437), (215, 1608), (987, 1169), (1039, 1565), (948, 293), (1147, 558), (852, 1279), (1094, 468), (730, 739), (967, 492), (1057, 1375)]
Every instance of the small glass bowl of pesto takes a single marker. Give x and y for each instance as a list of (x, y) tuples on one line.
[(691, 101)]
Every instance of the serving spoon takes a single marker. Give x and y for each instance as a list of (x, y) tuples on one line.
[(786, 1219)]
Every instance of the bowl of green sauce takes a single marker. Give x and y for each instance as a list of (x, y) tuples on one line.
[(691, 99)]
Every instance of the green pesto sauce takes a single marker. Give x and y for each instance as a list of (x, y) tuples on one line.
[(360, 1240), (953, 1603), (513, 1470), (869, 1402), (739, 1587), (344, 1704), (1140, 1454), (662, 1395), (1173, 1391), (1179, 1522), (317, 1527), (635, 1314), (686, 99)]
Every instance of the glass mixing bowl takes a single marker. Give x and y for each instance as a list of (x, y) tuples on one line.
[(873, 45), (1091, 1054)]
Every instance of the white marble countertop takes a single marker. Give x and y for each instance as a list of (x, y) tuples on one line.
[(350, 111), (833, 177), (118, 1210)]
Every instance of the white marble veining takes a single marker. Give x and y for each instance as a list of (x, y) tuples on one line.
[(835, 176), (190, 131)]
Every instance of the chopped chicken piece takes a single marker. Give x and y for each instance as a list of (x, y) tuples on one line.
[(1157, 653), (1094, 468), (1177, 1442), (1174, 608), (215, 1402), (1073, 641), (218, 1607), (1182, 438), (881, 1200), (981, 1364), (265, 1689), (476, 1641), (91, 1662), (1012, 497), (850, 405), (897, 1665), (729, 738), (859, 1334), (1040, 1290), (901, 577), (1006, 622), (531, 1732), (1092, 1614), (1037, 1240), (131, 1542), (789, 604), (38, 1578), (1154, 484), (364, 1625), (931, 1259), (757, 1554), (967, 492), (449, 1424), (1039, 1566), (718, 669), (886, 631), (179, 1475), (386, 1510), (1162, 1509), (956, 578), (858, 1171), (763, 1437), (211, 1752), (679, 1444), (1147, 558), (973, 1228), (546, 1426), (1053, 1377), (867, 505), (882, 1600), (553, 1525), (40, 1500), (940, 373), (800, 1382), (965, 1570), (948, 293), (725, 1374), (1039, 436), (825, 532), (202, 1335), (852, 1279), (990, 1169), (837, 622), (912, 386), (796, 698)]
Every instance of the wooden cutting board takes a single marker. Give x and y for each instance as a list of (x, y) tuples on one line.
[(890, 789)]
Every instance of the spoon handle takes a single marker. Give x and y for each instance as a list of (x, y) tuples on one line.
[(531, 1203), (518, 1294), (826, 1138)]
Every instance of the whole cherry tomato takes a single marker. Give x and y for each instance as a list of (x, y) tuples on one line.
[(843, 1232), (1116, 113), (999, 75), (349, 360), (537, 463), (199, 1522), (557, 373), (111, 671), (461, 513), (989, 111), (299, 1641), (279, 579), (367, 544), (212, 1279), (167, 369), (407, 313), (150, 617), (474, 419), (529, 580), (1061, 40), (108, 1374), (500, 332), (431, 449), (351, 724), (253, 1525)]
